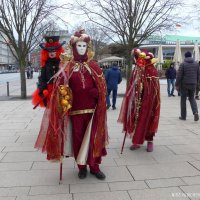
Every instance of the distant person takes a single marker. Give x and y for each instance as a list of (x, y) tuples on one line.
[(31, 72), (113, 78), (186, 82), (171, 78), (197, 88), (28, 72)]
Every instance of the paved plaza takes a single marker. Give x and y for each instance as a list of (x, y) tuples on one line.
[(171, 171)]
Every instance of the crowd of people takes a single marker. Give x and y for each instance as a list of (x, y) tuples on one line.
[(76, 96)]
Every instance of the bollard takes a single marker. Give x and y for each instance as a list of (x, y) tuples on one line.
[(8, 89)]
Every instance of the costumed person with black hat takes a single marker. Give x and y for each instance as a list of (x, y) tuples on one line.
[(76, 124), (140, 110), (50, 60)]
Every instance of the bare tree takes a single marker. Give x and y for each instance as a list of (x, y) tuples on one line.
[(21, 24), (99, 39), (130, 22)]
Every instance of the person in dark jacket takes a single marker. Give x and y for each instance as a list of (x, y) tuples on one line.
[(198, 88), (171, 77), (113, 78), (187, 79)]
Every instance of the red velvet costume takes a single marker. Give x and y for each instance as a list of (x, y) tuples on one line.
[(86, 80), (140, 109)]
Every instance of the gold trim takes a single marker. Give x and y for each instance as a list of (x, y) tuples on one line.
[(152, 77), (80, 112)]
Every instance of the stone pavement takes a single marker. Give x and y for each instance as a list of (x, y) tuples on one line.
[(172, 171)]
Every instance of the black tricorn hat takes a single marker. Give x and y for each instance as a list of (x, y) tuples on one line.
[(50, 39), (52, 43)]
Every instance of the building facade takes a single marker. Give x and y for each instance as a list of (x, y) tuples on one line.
[(7, 60), (168, 43)]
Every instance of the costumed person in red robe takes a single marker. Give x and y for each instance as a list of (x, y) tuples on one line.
[(75, 123), (50, 60), (140, 110)]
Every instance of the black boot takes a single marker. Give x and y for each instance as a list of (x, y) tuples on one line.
[(196, 117), (99, 175), (181, 118), (82, 173)]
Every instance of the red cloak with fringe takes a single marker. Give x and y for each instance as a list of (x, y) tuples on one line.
[(140, 110), (51, 132)]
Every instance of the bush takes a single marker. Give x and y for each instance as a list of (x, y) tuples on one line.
[(166, 64)]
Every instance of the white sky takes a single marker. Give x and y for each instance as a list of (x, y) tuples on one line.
[(189, 29)]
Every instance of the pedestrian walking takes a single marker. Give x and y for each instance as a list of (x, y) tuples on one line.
[(28, 72), (113, 78), (188, 77), (197, 88), (31, 76), (140, 110), (171, 77)]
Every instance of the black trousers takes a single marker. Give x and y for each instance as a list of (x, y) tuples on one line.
[(188, 91)]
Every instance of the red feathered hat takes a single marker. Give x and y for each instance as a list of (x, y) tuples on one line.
[(79, 36), (52, 45)]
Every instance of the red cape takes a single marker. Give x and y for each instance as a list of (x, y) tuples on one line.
[(140, 110), (50, 136)]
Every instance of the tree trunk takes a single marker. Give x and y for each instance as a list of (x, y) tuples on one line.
[(22, 65), (129, 58)]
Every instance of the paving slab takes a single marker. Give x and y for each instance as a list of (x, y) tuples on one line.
[(2, 155), (7, 198), (118, 195), (185, 149), (196, 164), (167, 170), (14, 191), (67, 163), (1, 148), (85, 188), (195, 180), (135, 159), (195, 156), (167, 182), (19, 149), (34, 178), (47, 197), (10, 139), (193, 192), (16, 166), (127, 185), (47, 190), (23, 157), (159, 193), (173, 158)]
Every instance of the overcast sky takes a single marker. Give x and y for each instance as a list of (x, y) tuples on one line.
[(189, 29)]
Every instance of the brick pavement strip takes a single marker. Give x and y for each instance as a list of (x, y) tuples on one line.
[(172, 171)]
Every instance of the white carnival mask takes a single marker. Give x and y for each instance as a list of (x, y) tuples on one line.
[(81, 47)]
